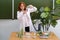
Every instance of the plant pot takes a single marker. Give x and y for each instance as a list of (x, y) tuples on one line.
[(45, 31), (45, 35)]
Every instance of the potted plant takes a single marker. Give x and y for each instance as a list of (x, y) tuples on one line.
[(47, 18)]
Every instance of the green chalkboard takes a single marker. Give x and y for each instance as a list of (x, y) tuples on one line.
[(5, 9), (37, 3)]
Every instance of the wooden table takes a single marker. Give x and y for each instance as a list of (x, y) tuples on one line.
[(51, 37)]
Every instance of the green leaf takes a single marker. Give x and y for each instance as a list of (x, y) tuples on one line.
[(53, 23), (47, 9), (56, 17), (58, 1), (44, 14)]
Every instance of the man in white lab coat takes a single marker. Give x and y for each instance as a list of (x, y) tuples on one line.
[(23, 15)]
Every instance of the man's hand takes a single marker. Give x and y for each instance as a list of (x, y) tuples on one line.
[(29, 6)]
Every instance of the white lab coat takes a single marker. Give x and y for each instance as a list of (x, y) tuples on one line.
[(25, 19)]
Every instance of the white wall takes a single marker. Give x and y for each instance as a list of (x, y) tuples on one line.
[(8, 26), (56, 30)]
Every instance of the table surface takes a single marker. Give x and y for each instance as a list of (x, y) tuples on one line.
[(14, 37)]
